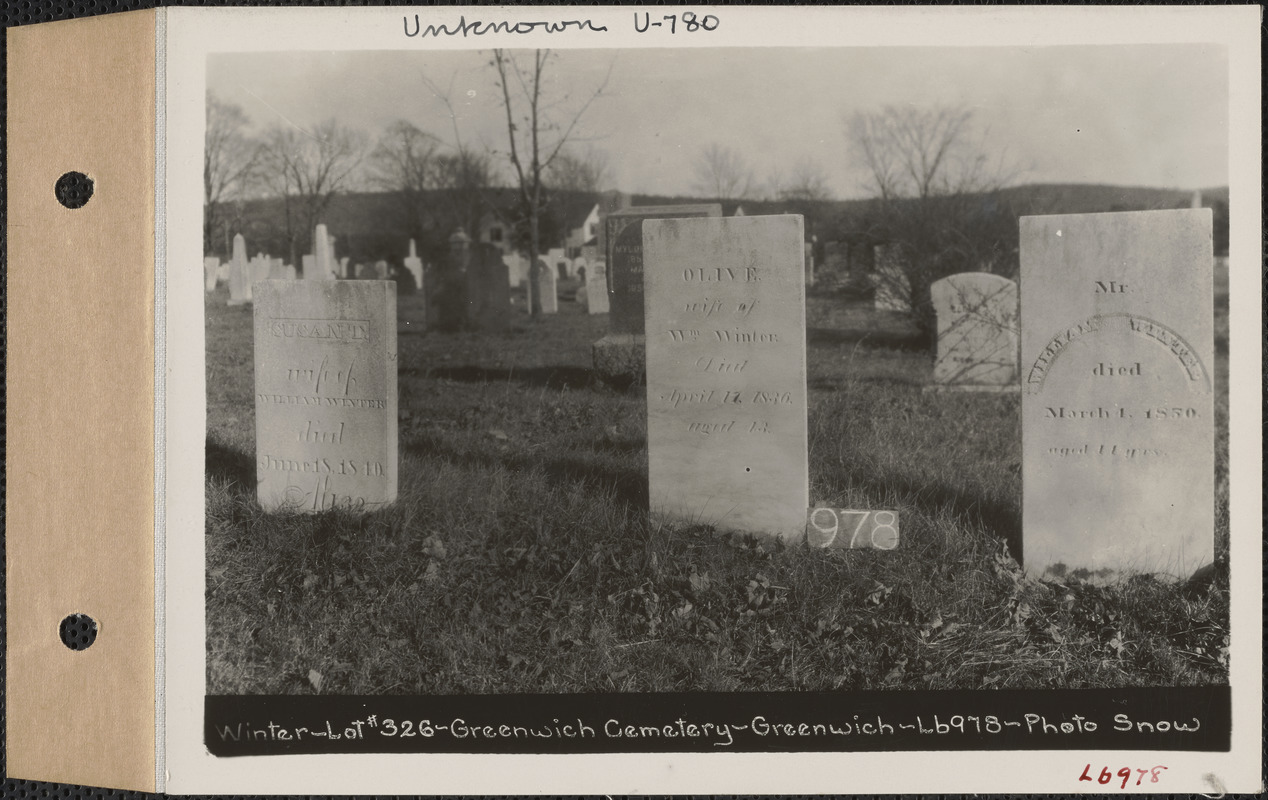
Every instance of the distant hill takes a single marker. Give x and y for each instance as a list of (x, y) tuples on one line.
[(373, 225)]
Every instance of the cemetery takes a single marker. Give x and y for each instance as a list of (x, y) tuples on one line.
[(430, 491), (498, 408)]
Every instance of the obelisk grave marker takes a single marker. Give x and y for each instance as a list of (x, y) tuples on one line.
[(726, 372), (325, 394), (1117, 360)]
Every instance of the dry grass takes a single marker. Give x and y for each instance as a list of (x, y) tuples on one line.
[(520, 557)]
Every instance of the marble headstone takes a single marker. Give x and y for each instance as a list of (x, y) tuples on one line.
[(260, 266), (977, 330), (239, 273), (1117, 358), (322, 256), (547, 282), (211, 268), (726, 372), (597, 288), (308, 263), (325, 395), (415, 265)]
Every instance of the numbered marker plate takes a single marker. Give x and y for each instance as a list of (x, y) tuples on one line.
[(847, 528)]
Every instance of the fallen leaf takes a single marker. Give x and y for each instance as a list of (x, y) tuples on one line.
[(433, 547)]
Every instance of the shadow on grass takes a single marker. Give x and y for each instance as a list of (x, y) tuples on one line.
[(225, 463), (629, 485), (548, 377), (893, 340), (1002, 520)]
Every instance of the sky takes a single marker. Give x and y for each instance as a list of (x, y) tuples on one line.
[(1139, 115)]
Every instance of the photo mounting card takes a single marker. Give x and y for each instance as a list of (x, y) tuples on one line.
[(458, 585)]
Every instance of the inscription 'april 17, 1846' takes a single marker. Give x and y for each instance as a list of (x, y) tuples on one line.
[(325, 377), (1117, 430), (726, 374)]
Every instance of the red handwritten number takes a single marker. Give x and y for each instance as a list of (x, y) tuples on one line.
[(1125, 773)]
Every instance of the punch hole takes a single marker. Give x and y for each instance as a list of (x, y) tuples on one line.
[(78, 631), (73, 190), (748, 469)]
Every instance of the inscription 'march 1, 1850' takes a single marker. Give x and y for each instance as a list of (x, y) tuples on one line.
[(1199, 378)]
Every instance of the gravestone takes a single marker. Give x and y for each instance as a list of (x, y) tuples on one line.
[(726, 372), (322, 257), (488, 290), (893, 290), (277, 270), (343, 265), (325, 395), (597, 288), (260, 266), (515, 265), (446, 285), (211, 268), (546, 280), (810, 264), (380, 270), (309, 265), (1117, 359), (239, 273), (977, 332), (620, 353), (415, 265), (223, 272)]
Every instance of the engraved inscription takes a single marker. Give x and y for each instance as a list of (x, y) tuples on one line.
[(725, 363), (1114, 323), (335, 330)]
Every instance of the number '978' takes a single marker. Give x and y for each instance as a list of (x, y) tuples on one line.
[(846, 528), (1125, 773)]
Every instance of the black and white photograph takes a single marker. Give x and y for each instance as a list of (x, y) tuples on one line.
[(687, 399)]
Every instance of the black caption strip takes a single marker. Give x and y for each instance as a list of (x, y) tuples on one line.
[(1189, 718)]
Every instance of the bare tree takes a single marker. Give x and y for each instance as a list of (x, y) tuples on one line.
[(306, 168), (407, 162), (466, 176), (722, 173), (535, 139), (580, 171), (230, 159), (937, 210), (807, 182)]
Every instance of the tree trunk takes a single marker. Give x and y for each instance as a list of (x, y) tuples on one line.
[(534, 268)]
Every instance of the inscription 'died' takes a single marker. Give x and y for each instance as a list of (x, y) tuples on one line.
[(726, 375), (325, 395)]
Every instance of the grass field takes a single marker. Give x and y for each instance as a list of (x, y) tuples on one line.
[(520, 556)]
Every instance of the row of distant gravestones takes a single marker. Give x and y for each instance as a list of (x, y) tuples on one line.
[(1117, 433)]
